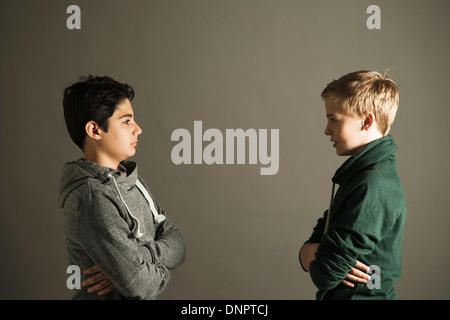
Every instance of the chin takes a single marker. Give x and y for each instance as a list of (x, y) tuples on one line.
[(126, 157), (343, 153), (132, 153)]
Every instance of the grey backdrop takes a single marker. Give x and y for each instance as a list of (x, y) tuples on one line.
[(232, 64)]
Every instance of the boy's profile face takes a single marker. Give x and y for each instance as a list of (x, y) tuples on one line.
[(344, 129), (120, 141)]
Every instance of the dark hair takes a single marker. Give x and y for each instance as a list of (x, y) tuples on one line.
[(92, 99)]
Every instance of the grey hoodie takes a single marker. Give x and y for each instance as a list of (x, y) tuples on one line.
[(108, 222)]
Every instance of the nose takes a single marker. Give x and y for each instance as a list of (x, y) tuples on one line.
[(137, 130), (327, 131)]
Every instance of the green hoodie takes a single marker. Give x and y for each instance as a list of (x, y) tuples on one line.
[(366, 224)]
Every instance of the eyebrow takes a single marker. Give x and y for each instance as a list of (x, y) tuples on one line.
[(331, 115), (128, 115)]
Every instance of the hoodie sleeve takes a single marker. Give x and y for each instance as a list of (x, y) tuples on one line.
[(354, 233), (316, 236), (105, 237), (170, 248)]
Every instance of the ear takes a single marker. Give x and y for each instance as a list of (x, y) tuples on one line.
[(368, 121), (93, 130)]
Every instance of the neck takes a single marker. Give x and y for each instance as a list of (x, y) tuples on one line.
[(375, 135), (100, 159), (371, 136)]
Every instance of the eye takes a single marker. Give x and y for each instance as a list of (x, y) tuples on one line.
[(127, 122)]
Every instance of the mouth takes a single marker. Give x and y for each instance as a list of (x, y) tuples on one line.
[(134, 144), (334, 143)]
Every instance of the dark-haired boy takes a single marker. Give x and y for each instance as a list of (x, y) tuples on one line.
[(112, 225)]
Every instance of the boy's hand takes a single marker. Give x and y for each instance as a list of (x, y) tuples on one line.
[(356, 275), (102, 281)]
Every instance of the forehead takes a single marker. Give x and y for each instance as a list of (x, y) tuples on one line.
[(334, 106), (123, 108)]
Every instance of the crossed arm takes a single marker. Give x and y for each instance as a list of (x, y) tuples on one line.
[(101, 283), (307, 255), (167, 247), (140, 270)]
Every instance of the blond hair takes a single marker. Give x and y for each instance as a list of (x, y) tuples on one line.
[(362, 92)]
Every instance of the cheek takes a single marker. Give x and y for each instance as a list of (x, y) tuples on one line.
[(350, 127), (339, 130)]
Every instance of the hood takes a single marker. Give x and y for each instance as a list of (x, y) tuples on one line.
[(77, 173)]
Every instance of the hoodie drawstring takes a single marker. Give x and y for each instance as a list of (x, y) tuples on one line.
[(329, 209), (136, 231), (158, 217)]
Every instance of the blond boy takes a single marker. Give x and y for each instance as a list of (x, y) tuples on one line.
[(362, 230)]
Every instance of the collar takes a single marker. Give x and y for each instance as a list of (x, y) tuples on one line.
[(376, 151)]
